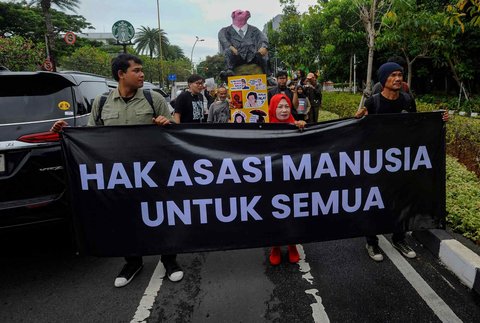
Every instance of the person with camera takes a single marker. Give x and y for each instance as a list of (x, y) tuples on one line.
[(313, 91)]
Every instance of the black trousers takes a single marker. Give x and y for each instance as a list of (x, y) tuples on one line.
[(138, 260), (397, 236)]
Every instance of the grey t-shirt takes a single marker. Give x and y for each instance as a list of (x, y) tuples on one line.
[(219, 112)]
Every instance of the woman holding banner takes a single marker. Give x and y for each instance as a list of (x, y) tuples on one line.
[(280, 111)]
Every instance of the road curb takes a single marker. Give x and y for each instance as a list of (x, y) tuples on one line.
[(462, 261)]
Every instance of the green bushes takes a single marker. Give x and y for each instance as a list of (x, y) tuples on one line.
[(463, 200), (451, 103), (343, 104)]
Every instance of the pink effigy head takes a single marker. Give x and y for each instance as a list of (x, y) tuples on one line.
[(240, 17)]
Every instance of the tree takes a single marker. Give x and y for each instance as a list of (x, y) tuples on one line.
[(173, 52), (147, 41), (341, 36), (411, 31), (369, 12), (28, 22), (463, 8), (212, 66), (46, 5), (89, 59), (19, 54)]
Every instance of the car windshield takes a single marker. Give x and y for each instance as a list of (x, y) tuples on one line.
[(30, 107)]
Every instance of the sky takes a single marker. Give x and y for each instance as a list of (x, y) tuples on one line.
[(182, 20)]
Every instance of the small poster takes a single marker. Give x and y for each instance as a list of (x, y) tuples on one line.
[(302, 106), (249, 99)]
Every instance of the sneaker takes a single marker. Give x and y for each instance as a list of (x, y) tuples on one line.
[(275, 256), (374, 252), (127, 273), (293, 255), (404, 249), (173, 271)]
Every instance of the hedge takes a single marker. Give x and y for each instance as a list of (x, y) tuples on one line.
[(463, 142), (463, 200)]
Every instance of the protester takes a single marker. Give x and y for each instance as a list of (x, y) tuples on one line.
[(377, 88), (189, 105), (279, 111), (301, 103), (219, 111), (390, 100), (128, 104), (313, 91), (281, 87)]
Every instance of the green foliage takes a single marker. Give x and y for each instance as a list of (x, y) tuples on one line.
[(28, 22), (463, 200), (89, 59), (180, 67), (19, 54), (343, 104), (326, 116), (451, 103), (211, 66)]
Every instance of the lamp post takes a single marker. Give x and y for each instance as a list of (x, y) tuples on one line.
[(160, 81), (191, 55)]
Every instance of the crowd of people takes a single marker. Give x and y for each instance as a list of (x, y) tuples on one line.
[(296, 102)]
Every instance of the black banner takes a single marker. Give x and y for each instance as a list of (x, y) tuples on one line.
[(139, 190)]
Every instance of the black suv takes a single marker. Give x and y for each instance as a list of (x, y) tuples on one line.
[(32, 180)]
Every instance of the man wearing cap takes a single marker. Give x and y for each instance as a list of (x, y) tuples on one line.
[(313, 91), (390, 100)]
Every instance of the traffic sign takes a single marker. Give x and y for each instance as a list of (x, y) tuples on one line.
[(172, 77), (123, 31), (70, 38), (47, 65)]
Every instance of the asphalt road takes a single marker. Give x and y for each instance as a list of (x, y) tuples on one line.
[(43, 280)]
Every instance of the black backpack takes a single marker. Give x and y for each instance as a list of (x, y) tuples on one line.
[(103, 99)]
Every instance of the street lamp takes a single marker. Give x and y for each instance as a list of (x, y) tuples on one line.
[(160, 81), (191, 55)]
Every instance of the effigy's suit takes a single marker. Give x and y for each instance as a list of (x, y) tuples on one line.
[(238, 50), (247, 47)]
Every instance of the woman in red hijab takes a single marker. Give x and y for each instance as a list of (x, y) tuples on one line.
[(280, 111)]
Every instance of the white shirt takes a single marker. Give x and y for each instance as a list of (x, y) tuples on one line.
[(244, 29)]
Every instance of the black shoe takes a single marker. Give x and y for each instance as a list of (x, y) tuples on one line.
[(404, 249), (374, 252), (173, 271), (127, 273)]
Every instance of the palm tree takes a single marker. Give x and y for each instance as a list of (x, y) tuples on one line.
[(45, 5), (173, 52), (146, 40)]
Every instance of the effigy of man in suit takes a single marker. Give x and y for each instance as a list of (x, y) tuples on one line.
[(242, 43)]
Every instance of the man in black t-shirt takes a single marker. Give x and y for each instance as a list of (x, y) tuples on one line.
[(189, 106), (390, 100)]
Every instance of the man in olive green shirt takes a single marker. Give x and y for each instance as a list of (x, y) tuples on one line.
[(127, 105), (136, 109)]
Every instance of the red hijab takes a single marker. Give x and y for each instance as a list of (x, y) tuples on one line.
[(272, 109)]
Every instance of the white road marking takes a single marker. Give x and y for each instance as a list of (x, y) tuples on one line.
[(438, 306), (148, 299), (318, 310)]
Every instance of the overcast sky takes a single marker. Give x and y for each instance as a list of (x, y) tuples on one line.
[(182, 20)]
